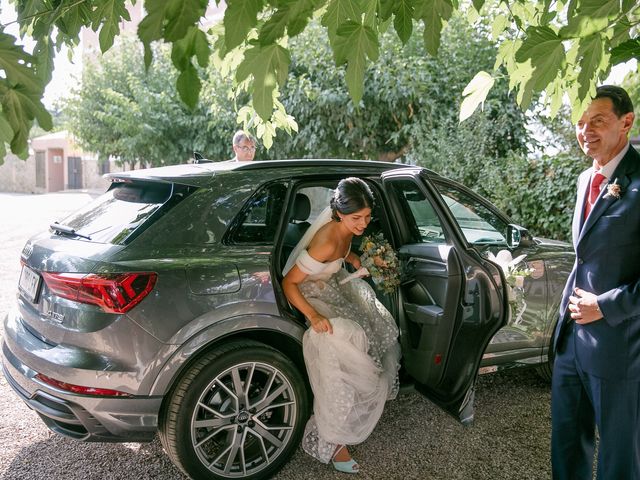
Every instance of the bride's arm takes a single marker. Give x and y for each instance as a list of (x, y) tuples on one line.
[(290, 286), (354, 260), (320, 249)]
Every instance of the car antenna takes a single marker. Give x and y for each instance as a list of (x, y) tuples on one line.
[(198, 158)]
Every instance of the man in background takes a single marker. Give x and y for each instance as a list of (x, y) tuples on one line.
[(244, 146)]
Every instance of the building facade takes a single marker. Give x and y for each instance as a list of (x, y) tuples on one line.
[(55, 163)]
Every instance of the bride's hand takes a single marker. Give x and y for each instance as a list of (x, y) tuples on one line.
[(354, 260), (320, 324)]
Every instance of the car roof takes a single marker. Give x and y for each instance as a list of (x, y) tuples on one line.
[(200, 174)]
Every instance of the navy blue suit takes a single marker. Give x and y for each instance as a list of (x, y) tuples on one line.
[(596, 377)]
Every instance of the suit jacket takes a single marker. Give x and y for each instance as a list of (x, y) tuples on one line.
[(607, 263)]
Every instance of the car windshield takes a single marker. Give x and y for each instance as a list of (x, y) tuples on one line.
[(111, 217), (478, 224)]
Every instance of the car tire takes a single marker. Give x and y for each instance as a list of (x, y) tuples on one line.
[(215, 426)]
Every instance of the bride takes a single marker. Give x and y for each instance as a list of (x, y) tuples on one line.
[(351, 350)]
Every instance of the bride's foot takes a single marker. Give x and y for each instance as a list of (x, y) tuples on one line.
[(343, 462)]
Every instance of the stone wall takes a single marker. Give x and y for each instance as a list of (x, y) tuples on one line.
[(18, 175)]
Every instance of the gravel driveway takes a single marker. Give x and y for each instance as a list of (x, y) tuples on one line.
[(414, 439)]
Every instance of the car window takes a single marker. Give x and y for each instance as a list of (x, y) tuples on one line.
[(113, 216), (479, 225), (426, 226), (261, 215)]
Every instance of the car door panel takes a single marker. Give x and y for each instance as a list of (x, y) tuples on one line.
[(430, 292), (451, 299)]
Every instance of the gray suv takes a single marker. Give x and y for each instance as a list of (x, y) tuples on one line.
[(158, 307)]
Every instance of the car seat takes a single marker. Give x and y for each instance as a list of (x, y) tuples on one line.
[(297, 225)]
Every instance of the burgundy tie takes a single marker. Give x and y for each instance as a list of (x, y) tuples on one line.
[(594, 192)]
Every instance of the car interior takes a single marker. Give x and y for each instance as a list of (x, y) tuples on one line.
[(308, 201)]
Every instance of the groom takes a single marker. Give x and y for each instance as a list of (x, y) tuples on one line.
[(596, 375)]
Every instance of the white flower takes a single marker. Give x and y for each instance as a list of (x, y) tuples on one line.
[(505, 260), (613, 190)]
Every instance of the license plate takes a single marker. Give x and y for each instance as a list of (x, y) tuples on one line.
[(29, 283)]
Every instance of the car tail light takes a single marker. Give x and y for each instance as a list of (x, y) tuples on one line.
[(113, 292), (105, 392)]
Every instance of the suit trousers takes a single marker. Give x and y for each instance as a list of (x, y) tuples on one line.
[(580, 402)]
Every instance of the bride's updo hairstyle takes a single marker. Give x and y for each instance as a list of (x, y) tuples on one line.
[(350, 196)]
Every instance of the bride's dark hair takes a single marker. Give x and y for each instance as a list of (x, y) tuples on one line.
[(351, 195)]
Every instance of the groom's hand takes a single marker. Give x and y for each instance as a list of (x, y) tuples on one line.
[(320, 324), (583, 306)]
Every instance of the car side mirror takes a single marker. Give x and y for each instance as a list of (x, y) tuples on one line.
[(518, 236)]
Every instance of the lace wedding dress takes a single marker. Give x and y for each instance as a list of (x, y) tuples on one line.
[(354, 370)]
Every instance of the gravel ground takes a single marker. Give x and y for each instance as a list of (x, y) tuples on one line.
[(414, 439)]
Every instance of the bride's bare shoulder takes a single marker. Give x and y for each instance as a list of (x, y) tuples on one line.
[(323, 245)]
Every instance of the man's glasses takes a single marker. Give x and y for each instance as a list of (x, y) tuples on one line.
[(247, 149)]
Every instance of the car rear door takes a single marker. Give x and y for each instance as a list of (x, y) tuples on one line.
[(451, 299)]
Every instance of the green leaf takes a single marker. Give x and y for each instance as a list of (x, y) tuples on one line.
[(182, 14), (269, 66), (386, 8), (339, 11), (292, 15), (17, 64), (44, 54), (506, 54), (475, 94), (69, 19), (240, 17), (544, 48), (109, 14), (274, 28), (353, 44), (498, 26), (478, 4), (591, 51), (403, 20), (590, 17), (620, 33), (189, 86), (152, 25), (434, 13), (194, 43), (370, 13), (355, 40), (6, 132), (20, 106), (626, 51), (27, 11)]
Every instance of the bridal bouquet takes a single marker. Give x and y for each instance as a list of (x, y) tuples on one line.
[(380, 261)]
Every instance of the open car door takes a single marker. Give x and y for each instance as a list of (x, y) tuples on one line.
[(451, 300)]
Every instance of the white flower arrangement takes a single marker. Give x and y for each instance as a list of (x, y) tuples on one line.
[(515, 279)]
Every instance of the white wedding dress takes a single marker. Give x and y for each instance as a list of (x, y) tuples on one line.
[(353, 371)]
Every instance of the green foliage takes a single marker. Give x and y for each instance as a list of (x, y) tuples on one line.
[(539, 195), (538, 191), (410, 100), (548, 49), (632, 84), (136, 116)]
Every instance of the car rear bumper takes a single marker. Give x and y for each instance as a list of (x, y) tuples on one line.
[(82, 417)]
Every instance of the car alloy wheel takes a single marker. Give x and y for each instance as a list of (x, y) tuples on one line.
[(242, 409)]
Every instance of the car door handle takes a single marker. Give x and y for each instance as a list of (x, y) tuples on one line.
[(426, 266), (424, 314)]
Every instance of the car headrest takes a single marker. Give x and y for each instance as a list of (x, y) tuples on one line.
[(301, 207)]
